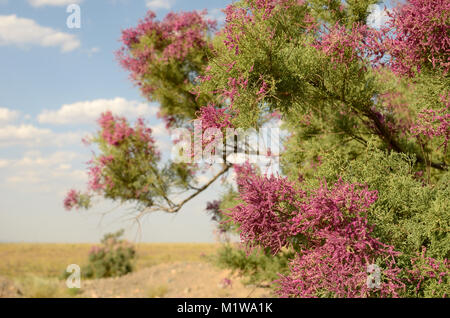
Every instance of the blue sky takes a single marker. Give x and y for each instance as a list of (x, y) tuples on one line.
[(54, 82)]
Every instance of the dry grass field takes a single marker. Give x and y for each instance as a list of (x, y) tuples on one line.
[(51, 260), (161, 270)]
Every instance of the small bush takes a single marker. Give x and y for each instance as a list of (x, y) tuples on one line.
[(112, 259), (258, 267)]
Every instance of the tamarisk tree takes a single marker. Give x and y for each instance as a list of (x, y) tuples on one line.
[(364, 175)]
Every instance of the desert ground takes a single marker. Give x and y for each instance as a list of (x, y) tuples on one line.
[(161, 270)]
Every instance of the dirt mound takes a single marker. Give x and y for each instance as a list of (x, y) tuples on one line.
[(184, 280), (8, 289)]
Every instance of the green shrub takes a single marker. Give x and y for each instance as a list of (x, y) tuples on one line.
[(113, 258), (258, 267)]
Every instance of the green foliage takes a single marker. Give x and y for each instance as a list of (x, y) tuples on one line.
[(333, 11), (346, 121), (409, 213), (112, 259), (228, 200), (259, 266), (431, 277)]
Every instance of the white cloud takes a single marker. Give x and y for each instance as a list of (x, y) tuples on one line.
[(58, 160), (89, 111), (26, 177), (378, 16), (22, 133), (29, 135), (58, 3), (160, 4), (160, 130), (24, 32), (161, 133), (39, 173), (7, 115)]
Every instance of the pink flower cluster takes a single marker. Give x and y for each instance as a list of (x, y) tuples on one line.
[(213, 117), (329, 225), (346, 46), (144, 134), (428, 268), (267, 7), (339, 247), (237, 17), (234, 85), (98, 181), (416, 34), (114, 129), (334, 270), (173, 38), (266, 215), (170, 121), (72, 200), (233, 30), (96, 250), (264, 87), (434, 123), (420, 35)]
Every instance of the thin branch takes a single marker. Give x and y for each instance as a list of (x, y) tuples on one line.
[(381, 129), (177, 207), (200, 190)]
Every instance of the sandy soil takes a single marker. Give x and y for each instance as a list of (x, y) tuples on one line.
[(167, 280), (8, 289), (183, 280)]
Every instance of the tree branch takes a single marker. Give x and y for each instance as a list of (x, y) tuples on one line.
[(387, 136), (174, 208), (381, 129)]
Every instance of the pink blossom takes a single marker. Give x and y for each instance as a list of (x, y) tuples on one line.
[(419, 36), (114, 129), (95, 178), (265, 217), (263, 89), (72, 200), (338, 247), (360, 43), (105, 160), (434, 123), (425, 268), (173, 39), (330, 227), (213, 117)]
